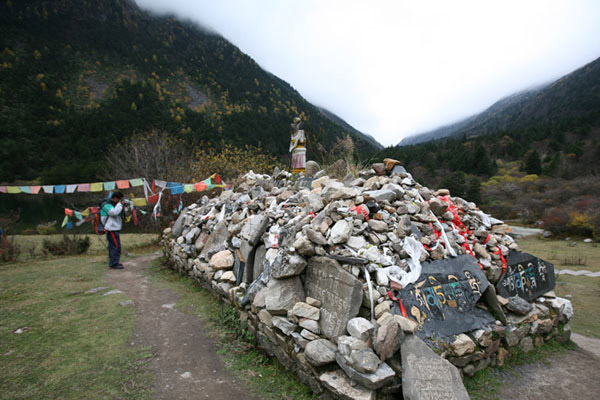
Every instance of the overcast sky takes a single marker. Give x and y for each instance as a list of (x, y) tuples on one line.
[(396, 68)]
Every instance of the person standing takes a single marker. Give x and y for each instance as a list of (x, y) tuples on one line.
[(111, 216)]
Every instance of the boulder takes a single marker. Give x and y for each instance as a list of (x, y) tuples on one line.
[(320, 352), (282, 294), (222, 260), (360, 328), (254, 228), (340, 233), (376, 380), (344, 388), (303, 310)]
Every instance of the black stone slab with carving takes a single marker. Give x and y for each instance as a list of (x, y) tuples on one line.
[(443, 299), (526, 276)]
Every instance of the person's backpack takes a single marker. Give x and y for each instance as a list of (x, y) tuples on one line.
[(97, 221)]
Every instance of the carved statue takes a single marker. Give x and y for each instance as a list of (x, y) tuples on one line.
[(298, 147)]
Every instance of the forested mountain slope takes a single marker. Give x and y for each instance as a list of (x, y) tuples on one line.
[(79, 76)]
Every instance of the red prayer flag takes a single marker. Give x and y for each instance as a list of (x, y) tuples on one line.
[(153, 199), (200, 186), (68, 212), (35, 189)]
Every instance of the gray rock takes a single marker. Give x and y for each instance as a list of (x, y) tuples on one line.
[(314, 236), (314, 202), (320, 352), (360, 328), (217, 241), (259, 259), (407, 325), (265, 317), (381, 377), (96, 290), (254, 228), (382, 195), (304, 246), (526, 344), (303, 310), (127, 303), (286, 266), (378, 226), (356, 242), (463, 345), (283, 325), (438, 206), (519, 305), (340, 233), (387, 339), (339, 292), (178, 225), (310, 324), (309, 335), (342, 387), (312, 167), (425, 375), (282, 294), (222, 260), (335, 190), (114, 291)]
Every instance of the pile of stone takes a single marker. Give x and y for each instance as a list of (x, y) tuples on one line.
[(338, 279)]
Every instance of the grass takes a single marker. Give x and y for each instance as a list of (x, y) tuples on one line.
[(75, 346), (585, 291), (31, 245), (265, 375), (485, 384)]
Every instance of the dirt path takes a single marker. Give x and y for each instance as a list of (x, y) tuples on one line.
[(186, 362), (570, 375)]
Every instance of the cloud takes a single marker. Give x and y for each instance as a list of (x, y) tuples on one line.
[(396, 68)]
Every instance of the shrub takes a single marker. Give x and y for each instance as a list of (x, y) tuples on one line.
[(9, 250), (580, 223), (67, 246), (556, 220), (46, 229)]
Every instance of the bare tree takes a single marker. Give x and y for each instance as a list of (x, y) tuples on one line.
[(150, 155)]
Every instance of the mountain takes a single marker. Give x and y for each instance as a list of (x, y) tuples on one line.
[(338, 120), (77, 77), (573, 99)]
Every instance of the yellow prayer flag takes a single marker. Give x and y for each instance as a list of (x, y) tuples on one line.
[(13, 189), (96, 187), (140, 202), (189, 188), (86, 212)]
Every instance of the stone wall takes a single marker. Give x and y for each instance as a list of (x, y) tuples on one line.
[(320, 271)]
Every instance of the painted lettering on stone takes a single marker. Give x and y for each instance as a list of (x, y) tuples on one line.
[(526, 276), (442, 300)]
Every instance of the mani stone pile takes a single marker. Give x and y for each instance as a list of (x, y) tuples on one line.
[(371, 286)]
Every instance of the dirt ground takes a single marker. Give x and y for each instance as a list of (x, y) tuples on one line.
[(570, 375), (186, 363)]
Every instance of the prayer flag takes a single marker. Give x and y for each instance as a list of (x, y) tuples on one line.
[(136, 182), (60, 189), (177, 189), (140, 202), (78, 215), (83, 187), (48, 189), (35, 189), (13, 189), (69, 225), (110, 185), (68, 212), (71, 188), (200, 186), (123, 184), (25, 189), (189, 188), (160, 184), (153, 199), (96, 187), (65, 221), (86, 212), (3, 189)]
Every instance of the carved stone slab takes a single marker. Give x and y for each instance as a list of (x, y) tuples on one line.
[(339, 292)]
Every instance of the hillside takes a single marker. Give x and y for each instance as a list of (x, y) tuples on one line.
[(338, 120), (572, 99), (76, 77)]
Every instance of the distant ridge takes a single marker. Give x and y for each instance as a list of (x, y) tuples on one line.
[(574, 96)]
